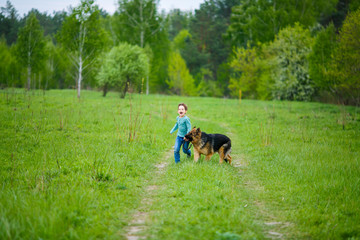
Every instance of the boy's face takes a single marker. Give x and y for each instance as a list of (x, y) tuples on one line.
[(181, 111)]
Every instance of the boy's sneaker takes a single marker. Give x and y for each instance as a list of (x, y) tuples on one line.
[(188, 155)]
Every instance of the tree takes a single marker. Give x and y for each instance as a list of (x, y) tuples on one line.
[(252, 72), (137, 22), (5, 57), (207, 29), (344, 73), (245, 72), (207, 86), (54, 74), (180, 80), (260, 20), (123, 66), (9, 23), (83, 37), (30, 47), (320, 58), (195, 58), (50, 23), (291, 75), (343, 7), (178, 21)]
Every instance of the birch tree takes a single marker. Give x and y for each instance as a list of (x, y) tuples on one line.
[(137, 22), (83, 37), (30, 47)]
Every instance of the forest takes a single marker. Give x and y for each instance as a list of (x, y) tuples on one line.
[(298, 50)]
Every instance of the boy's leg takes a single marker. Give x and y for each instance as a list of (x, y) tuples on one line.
[(177, 149), (186, 148)]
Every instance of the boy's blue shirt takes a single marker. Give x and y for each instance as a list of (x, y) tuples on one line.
[(183, 124)]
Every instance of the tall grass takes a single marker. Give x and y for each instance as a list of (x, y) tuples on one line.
[(78, 170), (65, 170)]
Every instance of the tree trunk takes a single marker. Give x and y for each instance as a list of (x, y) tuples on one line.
[(105, 90), (80, 76), (28, 77), (126, 87)]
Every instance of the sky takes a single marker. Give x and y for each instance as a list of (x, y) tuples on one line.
[(24, 6)]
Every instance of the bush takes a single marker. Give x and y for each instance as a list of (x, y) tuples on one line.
[(123, 65)]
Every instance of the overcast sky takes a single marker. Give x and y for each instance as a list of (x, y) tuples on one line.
[(24, 6)]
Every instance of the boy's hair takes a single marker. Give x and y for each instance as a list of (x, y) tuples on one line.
[(184, 105)]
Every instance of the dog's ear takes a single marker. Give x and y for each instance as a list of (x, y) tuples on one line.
[(198, 130), (194, 127)]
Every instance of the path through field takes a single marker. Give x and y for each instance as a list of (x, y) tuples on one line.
[(137, 226), (140, 221), (273, 227)]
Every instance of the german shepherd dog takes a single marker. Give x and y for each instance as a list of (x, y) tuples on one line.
[(208, 144)]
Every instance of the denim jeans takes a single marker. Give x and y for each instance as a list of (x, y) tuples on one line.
[(178, 142)]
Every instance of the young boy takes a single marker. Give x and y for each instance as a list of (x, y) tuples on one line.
[(184, 126)]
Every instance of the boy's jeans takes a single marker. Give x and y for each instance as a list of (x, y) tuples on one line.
[(178, 142)]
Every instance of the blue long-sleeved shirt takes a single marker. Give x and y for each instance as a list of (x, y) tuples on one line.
[(183, 124)]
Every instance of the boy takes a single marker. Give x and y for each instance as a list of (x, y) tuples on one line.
[(184, 126)]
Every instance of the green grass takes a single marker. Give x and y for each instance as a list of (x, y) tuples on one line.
[(67, 167), (79, 170)]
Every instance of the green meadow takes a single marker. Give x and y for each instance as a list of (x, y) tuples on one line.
[(73, 169)]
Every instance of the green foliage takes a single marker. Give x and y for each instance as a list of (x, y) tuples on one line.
[(207, 49), (320, 57), (30, 47), (205, 39), (206, 86), (246, 72), (124, 65), (138, 23), (84, 39), (72, 35), (56, 71), (178, 21), (344, 72), (252, 72), (159, 62), (195, 59), (51, 23), (354, 5), (180, 39), (180, 80), (260, 21), (278, 70), (7, 60), (9, 24), (291, 74)]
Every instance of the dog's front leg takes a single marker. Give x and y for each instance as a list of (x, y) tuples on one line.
[(196, 155), (208, 157), (221, 155)]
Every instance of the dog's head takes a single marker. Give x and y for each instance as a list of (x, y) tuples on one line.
[(193, 135)]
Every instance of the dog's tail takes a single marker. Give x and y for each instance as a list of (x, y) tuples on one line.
[(227, 151)]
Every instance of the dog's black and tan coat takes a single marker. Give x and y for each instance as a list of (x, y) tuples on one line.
[(208, 144)]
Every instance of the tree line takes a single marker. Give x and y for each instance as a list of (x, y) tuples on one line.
[(286, 50)]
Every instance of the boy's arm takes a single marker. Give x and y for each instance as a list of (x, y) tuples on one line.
[(188, 125), (174, 128)]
